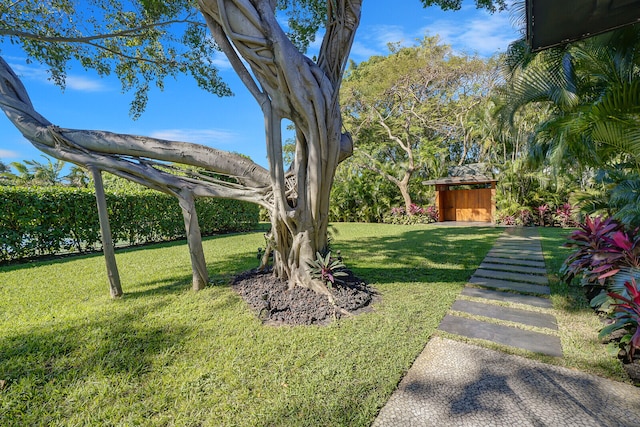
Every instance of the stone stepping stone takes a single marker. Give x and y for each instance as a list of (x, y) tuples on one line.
[(507, 297), (513, 268), (509, 247), (518, 251), (533, 256), (526, 288), (506, 335), (513, 261), (513, 277), (524, 242), (517, 315)]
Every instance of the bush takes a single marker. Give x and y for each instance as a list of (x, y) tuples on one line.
[(607, 259), (45, 221), (543, 215), (416, 215)]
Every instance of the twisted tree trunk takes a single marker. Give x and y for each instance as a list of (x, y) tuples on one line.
[(286, 84), (289, 85)]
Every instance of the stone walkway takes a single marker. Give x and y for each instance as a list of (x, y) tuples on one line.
[(504, 301), (457, 384)]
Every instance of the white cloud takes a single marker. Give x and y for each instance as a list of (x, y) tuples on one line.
[(85, 84), (360, 51), (29, 72), (221, 61), (485, 35), (467, 31), (385, 34), (73, 82), (8, 154), (374, 40), (211, 137)]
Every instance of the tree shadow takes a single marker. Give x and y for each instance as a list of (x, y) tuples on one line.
[(75, 350), (507, 389), (435, 254)]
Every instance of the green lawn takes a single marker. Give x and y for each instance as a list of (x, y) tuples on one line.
[(164, 355)]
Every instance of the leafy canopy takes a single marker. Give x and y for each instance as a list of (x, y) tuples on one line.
[(141, 42)]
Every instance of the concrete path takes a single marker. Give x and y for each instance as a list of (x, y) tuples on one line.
[(457, 384)]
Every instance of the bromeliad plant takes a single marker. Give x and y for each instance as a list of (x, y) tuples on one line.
[(327, 269), (626, 315)]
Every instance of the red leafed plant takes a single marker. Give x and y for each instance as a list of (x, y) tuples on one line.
[(594, 253), (626, 315)]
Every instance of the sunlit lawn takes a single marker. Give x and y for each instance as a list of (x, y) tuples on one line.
[(164, 355)]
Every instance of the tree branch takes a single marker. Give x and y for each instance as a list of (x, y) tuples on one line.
[(87, 39)]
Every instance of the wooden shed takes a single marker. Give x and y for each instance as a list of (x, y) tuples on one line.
[(467, 197)]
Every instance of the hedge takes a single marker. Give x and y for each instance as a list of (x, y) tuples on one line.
[(44, 221)]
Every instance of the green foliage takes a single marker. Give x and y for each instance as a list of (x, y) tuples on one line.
[(591, 89), (491, 5), (41, 221), (327, 269), (416, 215), (142, 43), (410, 112), (360, 195)]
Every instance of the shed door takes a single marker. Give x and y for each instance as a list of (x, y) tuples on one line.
[(468, 205)]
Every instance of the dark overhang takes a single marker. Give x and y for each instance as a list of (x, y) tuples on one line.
[(555, 22)]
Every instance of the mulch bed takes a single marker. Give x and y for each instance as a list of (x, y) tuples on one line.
[(274, 303)]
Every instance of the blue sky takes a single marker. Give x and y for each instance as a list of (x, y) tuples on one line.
[(186, 113)]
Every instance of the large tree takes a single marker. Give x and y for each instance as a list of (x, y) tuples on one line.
[(138, 41), (411, 111)]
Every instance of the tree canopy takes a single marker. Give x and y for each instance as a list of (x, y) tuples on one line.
[(411, 112)]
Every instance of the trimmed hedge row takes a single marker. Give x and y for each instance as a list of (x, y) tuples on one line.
[(44, 221)]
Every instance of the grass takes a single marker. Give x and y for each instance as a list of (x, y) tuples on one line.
[(164, 355)]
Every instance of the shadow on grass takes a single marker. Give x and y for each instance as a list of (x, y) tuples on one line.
[(436, 255), (40, 362)]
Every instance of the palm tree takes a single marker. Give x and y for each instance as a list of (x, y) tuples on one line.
[(77, 177), (592, 88), (23, 176), (46, 173)]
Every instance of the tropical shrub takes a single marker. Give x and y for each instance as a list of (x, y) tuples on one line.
[(565, 216), (543, 217), (327, 269), (44, 221), (415, 215), (521, 217), (626, 316), (606, 257)]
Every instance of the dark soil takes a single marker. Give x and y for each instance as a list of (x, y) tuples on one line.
[(272, 300)]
